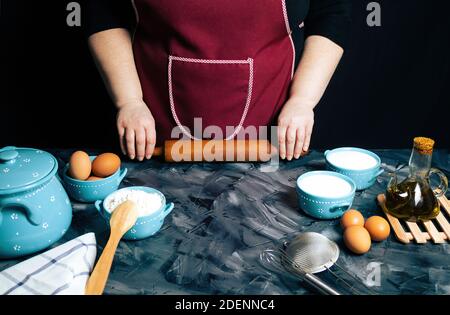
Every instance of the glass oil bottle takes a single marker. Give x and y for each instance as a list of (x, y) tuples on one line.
[(413, 199)]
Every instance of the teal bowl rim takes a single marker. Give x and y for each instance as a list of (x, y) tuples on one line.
[(74, 181), (143, 188), (349, 170), (336, 174)]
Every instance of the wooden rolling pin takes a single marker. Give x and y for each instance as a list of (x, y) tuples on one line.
[(216, 151)]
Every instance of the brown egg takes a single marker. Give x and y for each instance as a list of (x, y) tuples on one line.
[(357, 239), (351, 218), (79, 165), (105, 164), (378, 228), (93, 178)]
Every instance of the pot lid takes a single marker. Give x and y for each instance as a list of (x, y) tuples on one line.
[(21, 167)]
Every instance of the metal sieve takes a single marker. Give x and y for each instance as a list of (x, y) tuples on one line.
[(305, 255)]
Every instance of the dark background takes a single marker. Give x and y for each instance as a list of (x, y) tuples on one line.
[(393, 83)]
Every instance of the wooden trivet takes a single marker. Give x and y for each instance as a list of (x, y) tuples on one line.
[(436, 230)]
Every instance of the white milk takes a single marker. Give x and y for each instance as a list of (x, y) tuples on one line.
[(147, 203), (352, 160), (325, 186)]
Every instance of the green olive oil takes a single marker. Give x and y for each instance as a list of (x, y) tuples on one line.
[(413, 199)]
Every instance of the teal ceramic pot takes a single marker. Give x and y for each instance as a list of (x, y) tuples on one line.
[(321, 207), (90, 191), (363, 178), (35, 210), (145, 226)]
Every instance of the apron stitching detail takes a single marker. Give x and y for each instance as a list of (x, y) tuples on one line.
[(247, 103), (286, 18), (172, 103), (136, 12), (289, 32), (249, 61), (211, 61)]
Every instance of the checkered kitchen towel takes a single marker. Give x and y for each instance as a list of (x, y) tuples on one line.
[(61, 270)]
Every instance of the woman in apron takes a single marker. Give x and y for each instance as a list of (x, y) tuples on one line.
[(181, 65)]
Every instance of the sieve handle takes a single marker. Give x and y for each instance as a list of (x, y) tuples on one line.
[(318, 284)]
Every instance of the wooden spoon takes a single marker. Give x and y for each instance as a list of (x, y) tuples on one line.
[(122, 219)]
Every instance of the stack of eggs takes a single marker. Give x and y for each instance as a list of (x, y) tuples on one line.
[(90, 178), (104, 165), (359, 234)]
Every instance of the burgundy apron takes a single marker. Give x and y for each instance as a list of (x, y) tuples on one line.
[(228, 62)]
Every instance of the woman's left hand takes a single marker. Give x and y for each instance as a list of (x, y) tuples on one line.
[(295, 125)]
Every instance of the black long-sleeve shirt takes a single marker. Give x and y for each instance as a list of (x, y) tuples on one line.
[(328, 18)]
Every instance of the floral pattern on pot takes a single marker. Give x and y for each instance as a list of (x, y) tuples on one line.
[(34, 214)]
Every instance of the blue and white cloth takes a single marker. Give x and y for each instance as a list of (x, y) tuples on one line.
[(63, 270)]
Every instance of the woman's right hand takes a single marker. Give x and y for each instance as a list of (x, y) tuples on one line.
[(136, 127)]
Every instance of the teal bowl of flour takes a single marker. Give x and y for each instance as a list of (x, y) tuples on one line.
[(325, 194), (151, 206), (362, 166)]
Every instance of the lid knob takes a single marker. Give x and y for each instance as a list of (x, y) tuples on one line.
[(8, 155)]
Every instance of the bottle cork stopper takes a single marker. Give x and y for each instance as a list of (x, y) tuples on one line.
[(424, 145)]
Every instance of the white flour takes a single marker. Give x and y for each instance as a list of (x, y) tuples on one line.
[(325, 186), (352, 160), (147, 203)]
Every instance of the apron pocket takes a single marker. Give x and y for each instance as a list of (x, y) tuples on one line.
[(218, 91)]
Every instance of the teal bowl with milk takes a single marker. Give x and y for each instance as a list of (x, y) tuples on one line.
[(325, 194), (362, 166)]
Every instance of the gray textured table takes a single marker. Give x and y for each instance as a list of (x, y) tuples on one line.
[(226, 214)]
